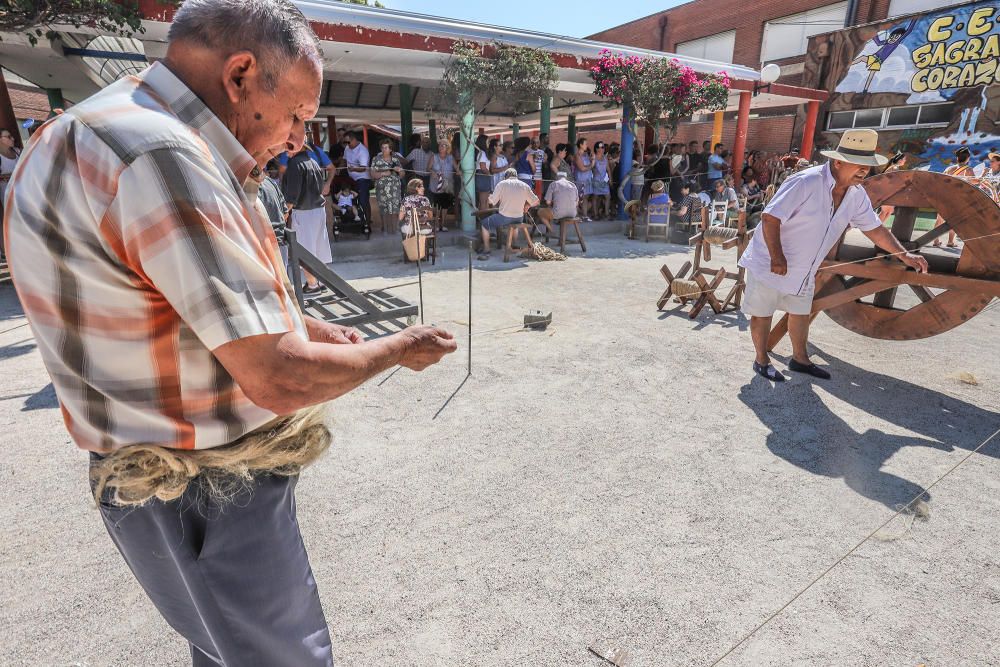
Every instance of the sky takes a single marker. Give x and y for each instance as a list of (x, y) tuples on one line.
[(576, 18)]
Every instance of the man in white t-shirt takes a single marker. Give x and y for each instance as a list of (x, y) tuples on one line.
[(563, 196), (807, 215), (513, 197), (358, 161)]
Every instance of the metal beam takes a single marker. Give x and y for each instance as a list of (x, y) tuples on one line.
[(110, 55)]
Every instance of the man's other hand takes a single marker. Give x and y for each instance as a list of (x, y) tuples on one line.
[(913, 261), (426, 346), (779, 266)]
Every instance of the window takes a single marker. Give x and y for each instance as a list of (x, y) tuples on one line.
[(841, 120), (936, 113), (902, 116), (901, 7), (717, 47), (893, 117), (868, 117), (788, 36)]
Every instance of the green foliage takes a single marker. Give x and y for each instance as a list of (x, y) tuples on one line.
[(116, 17), (34, 17), (479, 74)]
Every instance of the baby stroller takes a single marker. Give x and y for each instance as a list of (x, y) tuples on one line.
[(346, 221)]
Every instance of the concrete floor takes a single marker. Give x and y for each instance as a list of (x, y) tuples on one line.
[(621, 479)]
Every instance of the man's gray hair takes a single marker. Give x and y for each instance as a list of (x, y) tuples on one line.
[(510, 173), (275, 31)]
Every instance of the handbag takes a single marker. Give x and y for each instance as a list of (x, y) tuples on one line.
[(414, 243)]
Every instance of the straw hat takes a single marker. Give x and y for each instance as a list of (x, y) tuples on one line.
[(858, 147), (658, 186)]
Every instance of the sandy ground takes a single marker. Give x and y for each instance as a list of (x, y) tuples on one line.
[(621, 479)]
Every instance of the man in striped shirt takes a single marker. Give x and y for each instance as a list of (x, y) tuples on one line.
[(157, 296)]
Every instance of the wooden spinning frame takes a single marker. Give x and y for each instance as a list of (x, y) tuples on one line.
[(696, 289), (968, 281)]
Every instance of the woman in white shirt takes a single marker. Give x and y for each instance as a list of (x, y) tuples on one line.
[(442, 181), (8, 160), (484, 182), (500, 160)]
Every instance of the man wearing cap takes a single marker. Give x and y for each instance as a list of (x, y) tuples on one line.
[(800, 225)]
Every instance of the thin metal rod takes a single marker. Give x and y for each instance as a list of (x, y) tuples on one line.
[(469, 365), (389, 287), (420, 280)]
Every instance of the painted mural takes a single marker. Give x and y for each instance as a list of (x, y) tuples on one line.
[(948, 55), (930, 57)]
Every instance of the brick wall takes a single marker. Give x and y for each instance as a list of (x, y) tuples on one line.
[(702, 18), (771, 135), (608, 136)]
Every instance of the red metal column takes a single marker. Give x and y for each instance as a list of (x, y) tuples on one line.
[(740, 144), (809, 133), (8, 121), (316, 139)]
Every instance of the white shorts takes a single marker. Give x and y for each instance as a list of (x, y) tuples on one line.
[(761, 300), (310, 231)]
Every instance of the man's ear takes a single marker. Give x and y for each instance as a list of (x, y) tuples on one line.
[(239, 70)]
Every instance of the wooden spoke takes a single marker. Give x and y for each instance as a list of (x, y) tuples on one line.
[(927, 237), (922, 293)]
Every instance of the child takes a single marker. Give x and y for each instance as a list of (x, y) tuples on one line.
[(345, 202)]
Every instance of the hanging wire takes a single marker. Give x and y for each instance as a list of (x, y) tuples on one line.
[(857, 546)]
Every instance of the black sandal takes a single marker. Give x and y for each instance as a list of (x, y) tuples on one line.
[(769, 372), (809, 369)]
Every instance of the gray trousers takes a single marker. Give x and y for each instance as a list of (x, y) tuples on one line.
[(234, 580)]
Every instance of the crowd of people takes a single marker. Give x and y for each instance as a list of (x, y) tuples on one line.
[(685, 169)]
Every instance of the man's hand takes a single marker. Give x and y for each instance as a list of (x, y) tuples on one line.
[(913, 261), (884, 239), (779, 265), (331, 334), (338, 335), (426, 346)]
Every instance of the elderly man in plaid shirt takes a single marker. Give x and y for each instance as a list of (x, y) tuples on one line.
[(156, 293)]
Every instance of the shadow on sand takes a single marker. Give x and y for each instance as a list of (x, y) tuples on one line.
[(812, 437)]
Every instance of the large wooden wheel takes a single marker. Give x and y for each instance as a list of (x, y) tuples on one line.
[(860, 288)]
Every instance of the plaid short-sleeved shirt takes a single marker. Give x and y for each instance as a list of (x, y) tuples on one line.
[(136, 252)]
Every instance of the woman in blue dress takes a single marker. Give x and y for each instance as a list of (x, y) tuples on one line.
[(602, 182), (583, 163)]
